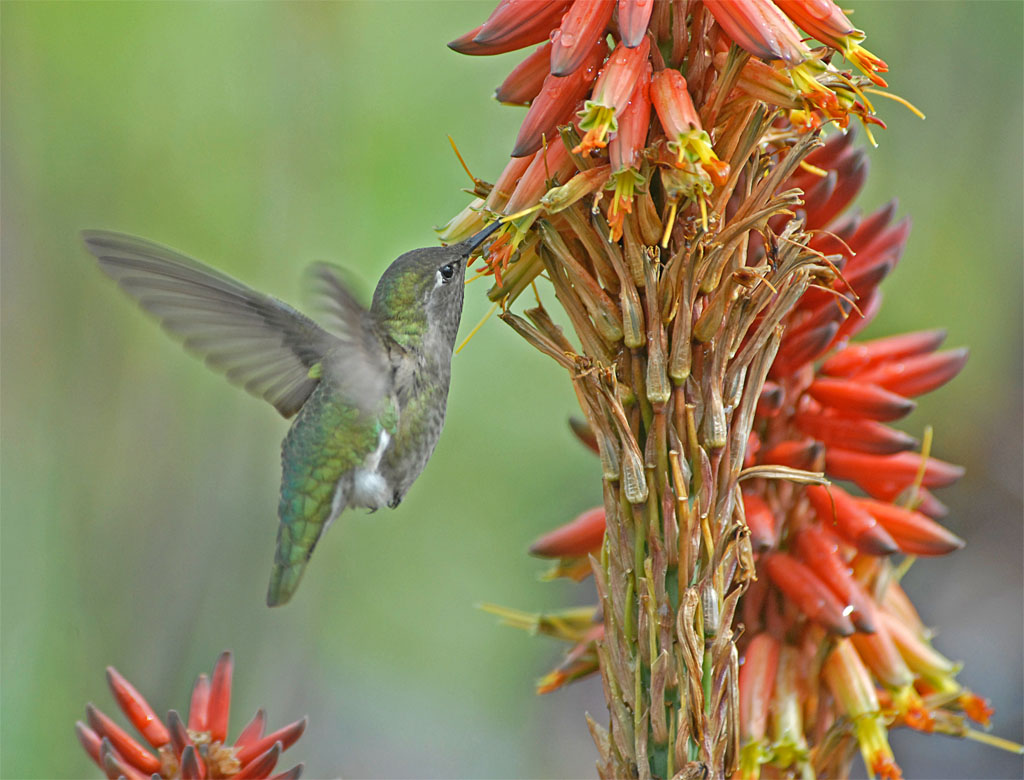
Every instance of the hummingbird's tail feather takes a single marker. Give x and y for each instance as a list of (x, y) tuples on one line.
[(284, 579)]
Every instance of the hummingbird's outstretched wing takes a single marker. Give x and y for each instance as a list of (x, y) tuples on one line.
[(257, 341), (357, 364)]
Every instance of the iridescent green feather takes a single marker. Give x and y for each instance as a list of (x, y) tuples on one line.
[(329, 439)]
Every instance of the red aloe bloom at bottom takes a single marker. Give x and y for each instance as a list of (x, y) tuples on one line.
[(197, 750)]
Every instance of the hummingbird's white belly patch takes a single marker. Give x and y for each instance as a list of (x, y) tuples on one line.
[(369, 488)]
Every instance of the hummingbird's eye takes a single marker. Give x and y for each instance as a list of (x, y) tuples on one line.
[(447, 271)]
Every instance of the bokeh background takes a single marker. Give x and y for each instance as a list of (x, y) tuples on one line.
[(139, 489)]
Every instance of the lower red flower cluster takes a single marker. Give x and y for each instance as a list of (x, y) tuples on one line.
[(196, 749)]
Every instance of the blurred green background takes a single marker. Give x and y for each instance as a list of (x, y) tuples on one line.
[(140, 489)]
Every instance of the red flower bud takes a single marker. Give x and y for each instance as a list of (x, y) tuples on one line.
[(854, 434), (918, 374), (761, 28), (836, 509), (858, 398), (819, 550), (634, 16), (915, 533), (582, 27), (761, 522), (810, 595), (857, 357), (524, 83), (556, 102), (581, 536)]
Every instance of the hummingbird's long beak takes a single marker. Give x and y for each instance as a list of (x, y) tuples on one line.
[(474, 241)]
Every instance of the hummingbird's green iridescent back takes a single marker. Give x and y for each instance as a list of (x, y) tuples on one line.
[(329, 440)]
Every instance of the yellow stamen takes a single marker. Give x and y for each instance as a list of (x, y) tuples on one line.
[(479, 325), (523, 213), (813, 169), (669, 223), (926, 448), (901, 100), (703, 213), (474, 278), (994, 741), (462, 162)]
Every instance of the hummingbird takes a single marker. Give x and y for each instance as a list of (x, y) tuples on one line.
[(367, 388)]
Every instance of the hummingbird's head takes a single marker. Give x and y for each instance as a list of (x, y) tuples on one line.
[(421, 292)]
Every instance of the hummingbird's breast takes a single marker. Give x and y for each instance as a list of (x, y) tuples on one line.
[(421, 396)]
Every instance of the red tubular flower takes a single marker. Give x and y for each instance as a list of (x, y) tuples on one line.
[(581, 536), (756, 683), (512, 25), (624, 153), (582, 27), (634, 16), (857, 398), (524, 83), (820, 550), (900, 469), (856, 434), (796, 454), (858, 357), (201, 751), (918, 374), (685, 291), (837, 509), (915, 533), (761, 522), (826, 22), (761, 28), (808, 593), (612, 91), (851, 684), (558, 99)]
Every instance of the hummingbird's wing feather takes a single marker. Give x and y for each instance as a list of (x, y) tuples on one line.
[(257, 341), (357, 363)]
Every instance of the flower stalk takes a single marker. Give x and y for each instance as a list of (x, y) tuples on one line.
[(746, 603)]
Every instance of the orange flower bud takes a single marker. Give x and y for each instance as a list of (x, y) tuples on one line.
[(634, 16), (555, 103), (582, 535), (918, 374), (858, 357), (819, 550), (880, 654), (836, 509), (552, 163), (915, 533), (137, 709), (524, 22), (900, 469), (524, 83), (761, 28), (797, 454), (854, 434), (858, 398), (761, 522), (219, 704), (757, 680), (122, 741), (582, 27), (810, 595), (851, 683)]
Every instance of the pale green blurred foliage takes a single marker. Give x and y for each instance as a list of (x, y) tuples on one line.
[(140, 489)]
